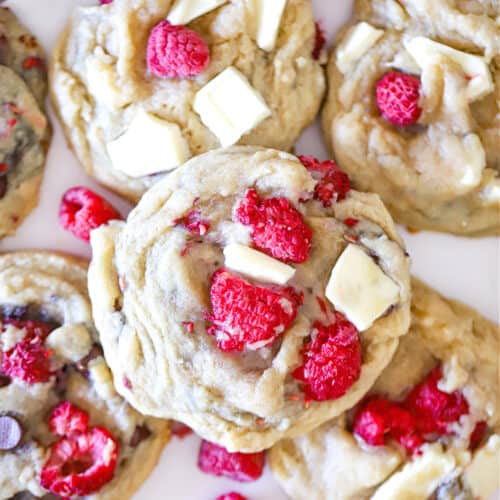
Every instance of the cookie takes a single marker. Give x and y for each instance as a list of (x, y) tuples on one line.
[(136, 99), (430, 427), (63, 427), (412, 114), (218, 288), (24, 129)]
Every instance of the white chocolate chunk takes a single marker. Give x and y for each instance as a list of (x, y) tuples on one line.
[(418, 479), (257, 265), (148, 146), (473, 159), (425, 51), (360, 39), (229, 106), (359, 288), (184, 11), (101, 377), (268, 14), (70, 342), (491, 193), (483, 474)]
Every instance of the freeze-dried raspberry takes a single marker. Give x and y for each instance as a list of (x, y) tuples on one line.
[(245, 315), (333, 184), (28, 360), (194, 223), (176, 51), (477, 434), (104, 2), (277, 227), (180, 430), (319, 41), (32, 62), (231, 496), (397, 98), (67, 419), (331, 360), (433, 409), (81, 464), (379, 419), (82, 210), (243, 467)]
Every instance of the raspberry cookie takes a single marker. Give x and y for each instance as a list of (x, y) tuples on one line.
[(141, 86), (63, 428), (261, 297), (413, 113), (24, 130), (430, 427)]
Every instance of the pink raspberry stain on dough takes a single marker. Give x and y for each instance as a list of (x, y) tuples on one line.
[(426, 414), (175, 51), (217, 461), (278, 228), (319, 41), (249, 316), (331, 360), (194, 223), (332, 185), (83, 460), (397, 97)]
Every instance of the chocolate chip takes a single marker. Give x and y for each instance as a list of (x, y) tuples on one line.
[(141, 433), (4, 381), (83, 365), (26, 495), (3, 186), (10, 433)]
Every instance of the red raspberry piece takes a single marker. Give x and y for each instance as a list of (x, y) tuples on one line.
[(245, 315), (28, 360), (194, 223), (331, 360), (32, 62), (433, 409), (217, 461), (176, 51), (319, 41), (397, 98), (82, 210), (477, 434), (180, 430), (81, 464), (231, 496), (104, 2), (333, 184), (67, 419), (277, 227), (379, 418)]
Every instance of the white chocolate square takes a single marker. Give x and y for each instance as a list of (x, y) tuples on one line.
[(184, 11), (268, 14), (148, 146), (230, 107)]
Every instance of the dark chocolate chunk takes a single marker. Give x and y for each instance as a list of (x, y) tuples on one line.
[(4, 381), (26, 495), (83, 365), (141, 433), (3, 186), (10, 432)]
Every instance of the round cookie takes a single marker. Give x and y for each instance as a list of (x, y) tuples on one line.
[(332, 462), (101, 83), (24, 129), (185, 293), (50, 358), (442, 172)]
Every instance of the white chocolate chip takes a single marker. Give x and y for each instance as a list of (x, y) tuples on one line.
[(148, 146), (70, 342), (359, 288), (230, 107), (184, 11), (257, 265)]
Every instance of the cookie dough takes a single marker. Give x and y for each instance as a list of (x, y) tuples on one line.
[(24, 129), (101, 84), (332, 463), (157, 287), (52, 289), (442, 173)]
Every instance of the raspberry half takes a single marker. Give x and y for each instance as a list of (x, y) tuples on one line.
[(231, 496), (67, 419), (433, 409), (331, 360), (278, 228), (245, 315), (176, 51), (81, 464), (397, 98), (333, 184), (82, 210), (217, 461)]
